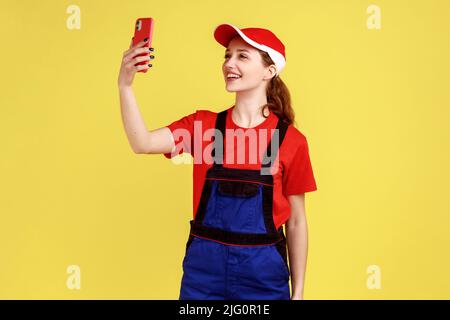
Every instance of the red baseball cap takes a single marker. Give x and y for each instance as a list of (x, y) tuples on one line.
[(259, 38)]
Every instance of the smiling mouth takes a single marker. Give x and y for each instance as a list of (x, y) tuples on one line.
[(233, 78)]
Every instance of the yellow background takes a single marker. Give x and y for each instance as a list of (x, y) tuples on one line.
[(373, 104)]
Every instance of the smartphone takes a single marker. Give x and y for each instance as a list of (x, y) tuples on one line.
[(143, 29)]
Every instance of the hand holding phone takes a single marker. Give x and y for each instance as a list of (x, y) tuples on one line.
[(143, 30), (137, 58)]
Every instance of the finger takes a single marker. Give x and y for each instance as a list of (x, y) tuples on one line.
[(137, 60), (143, 42), (141, 58), (142, 67), (140, 44), (134, 52)]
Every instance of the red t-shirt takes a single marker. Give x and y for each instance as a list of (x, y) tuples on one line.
[(294, 175)]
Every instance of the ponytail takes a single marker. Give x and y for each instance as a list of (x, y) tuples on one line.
[(278, 96)]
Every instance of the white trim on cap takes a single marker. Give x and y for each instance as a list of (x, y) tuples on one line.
[(277, 57)]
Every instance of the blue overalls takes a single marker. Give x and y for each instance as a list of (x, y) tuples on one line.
[(234, 251)]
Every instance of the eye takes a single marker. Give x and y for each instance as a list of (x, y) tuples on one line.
[(242, 55)]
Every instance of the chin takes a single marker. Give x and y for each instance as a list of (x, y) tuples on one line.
[(230, 88)]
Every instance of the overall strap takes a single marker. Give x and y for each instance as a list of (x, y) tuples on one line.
[(218, 143), (276, 140)]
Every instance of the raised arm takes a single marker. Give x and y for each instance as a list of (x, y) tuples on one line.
[(140, 138)]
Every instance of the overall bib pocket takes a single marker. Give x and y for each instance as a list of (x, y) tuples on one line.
[(238, 204)]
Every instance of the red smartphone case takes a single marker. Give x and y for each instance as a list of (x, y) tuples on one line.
[(143, 28)]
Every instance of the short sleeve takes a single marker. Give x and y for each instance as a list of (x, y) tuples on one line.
[(298, 177), (182, 132)]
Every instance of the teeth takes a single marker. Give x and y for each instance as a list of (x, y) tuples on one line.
[(233, 76)]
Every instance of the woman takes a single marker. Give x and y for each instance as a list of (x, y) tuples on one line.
[(236, 247)]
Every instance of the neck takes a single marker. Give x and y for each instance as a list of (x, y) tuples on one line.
[(247, 111)]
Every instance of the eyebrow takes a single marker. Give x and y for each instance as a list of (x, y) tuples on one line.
[(238, 50)]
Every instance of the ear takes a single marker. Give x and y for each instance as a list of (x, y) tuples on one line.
[(271, 71)]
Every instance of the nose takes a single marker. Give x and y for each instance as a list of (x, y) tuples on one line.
[(229, 68), (229, 65)]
